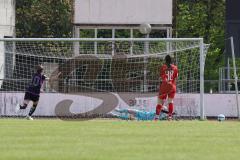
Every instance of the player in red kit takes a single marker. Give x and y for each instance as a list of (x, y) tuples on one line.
[(167, 90)]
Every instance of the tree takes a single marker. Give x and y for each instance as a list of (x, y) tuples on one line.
[(204, 18), (45, 18)]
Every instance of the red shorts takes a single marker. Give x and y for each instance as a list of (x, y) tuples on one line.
[(167, 90)]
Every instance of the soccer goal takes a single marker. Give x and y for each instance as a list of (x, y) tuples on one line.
[(117, 71)]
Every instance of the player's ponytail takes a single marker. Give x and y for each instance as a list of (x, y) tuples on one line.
[(39, 68), (168, 60)]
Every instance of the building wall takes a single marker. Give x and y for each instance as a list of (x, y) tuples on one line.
[(7, 20), (7, 28), (122, 12), (232, 27)]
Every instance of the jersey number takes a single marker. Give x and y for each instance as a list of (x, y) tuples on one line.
[(36, 81), (169, 74)]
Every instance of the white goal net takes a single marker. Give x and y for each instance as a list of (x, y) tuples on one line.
[(114, 71)]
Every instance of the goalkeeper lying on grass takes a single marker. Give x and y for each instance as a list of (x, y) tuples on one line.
[(134, 114)]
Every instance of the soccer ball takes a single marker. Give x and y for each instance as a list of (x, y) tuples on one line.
[(221, 117), (145, 28)]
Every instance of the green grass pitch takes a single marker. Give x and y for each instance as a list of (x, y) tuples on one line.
[(119, 140)]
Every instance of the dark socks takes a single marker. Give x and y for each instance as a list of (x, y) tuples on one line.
[(32, 110)]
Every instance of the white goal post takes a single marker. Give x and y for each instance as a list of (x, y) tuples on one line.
[(116, 65), (235, 76)]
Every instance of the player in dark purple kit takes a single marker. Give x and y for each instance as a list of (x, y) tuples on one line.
[(33, 91)]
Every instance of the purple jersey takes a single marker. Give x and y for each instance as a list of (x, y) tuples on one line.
[(36, 84)]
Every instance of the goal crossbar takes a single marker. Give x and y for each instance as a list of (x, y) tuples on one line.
[(101, 39)]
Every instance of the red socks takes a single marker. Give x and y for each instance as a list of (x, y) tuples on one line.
[(158, 109), (170, 109)]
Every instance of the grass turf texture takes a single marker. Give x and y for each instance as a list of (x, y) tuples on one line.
[(111, 139)]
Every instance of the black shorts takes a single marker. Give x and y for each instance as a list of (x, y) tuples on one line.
[(32, 97)]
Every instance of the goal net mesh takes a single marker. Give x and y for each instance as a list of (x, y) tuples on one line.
[(95, 68)]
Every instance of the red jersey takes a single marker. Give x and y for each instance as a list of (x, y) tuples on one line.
[(168, 85), (169, 74)]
